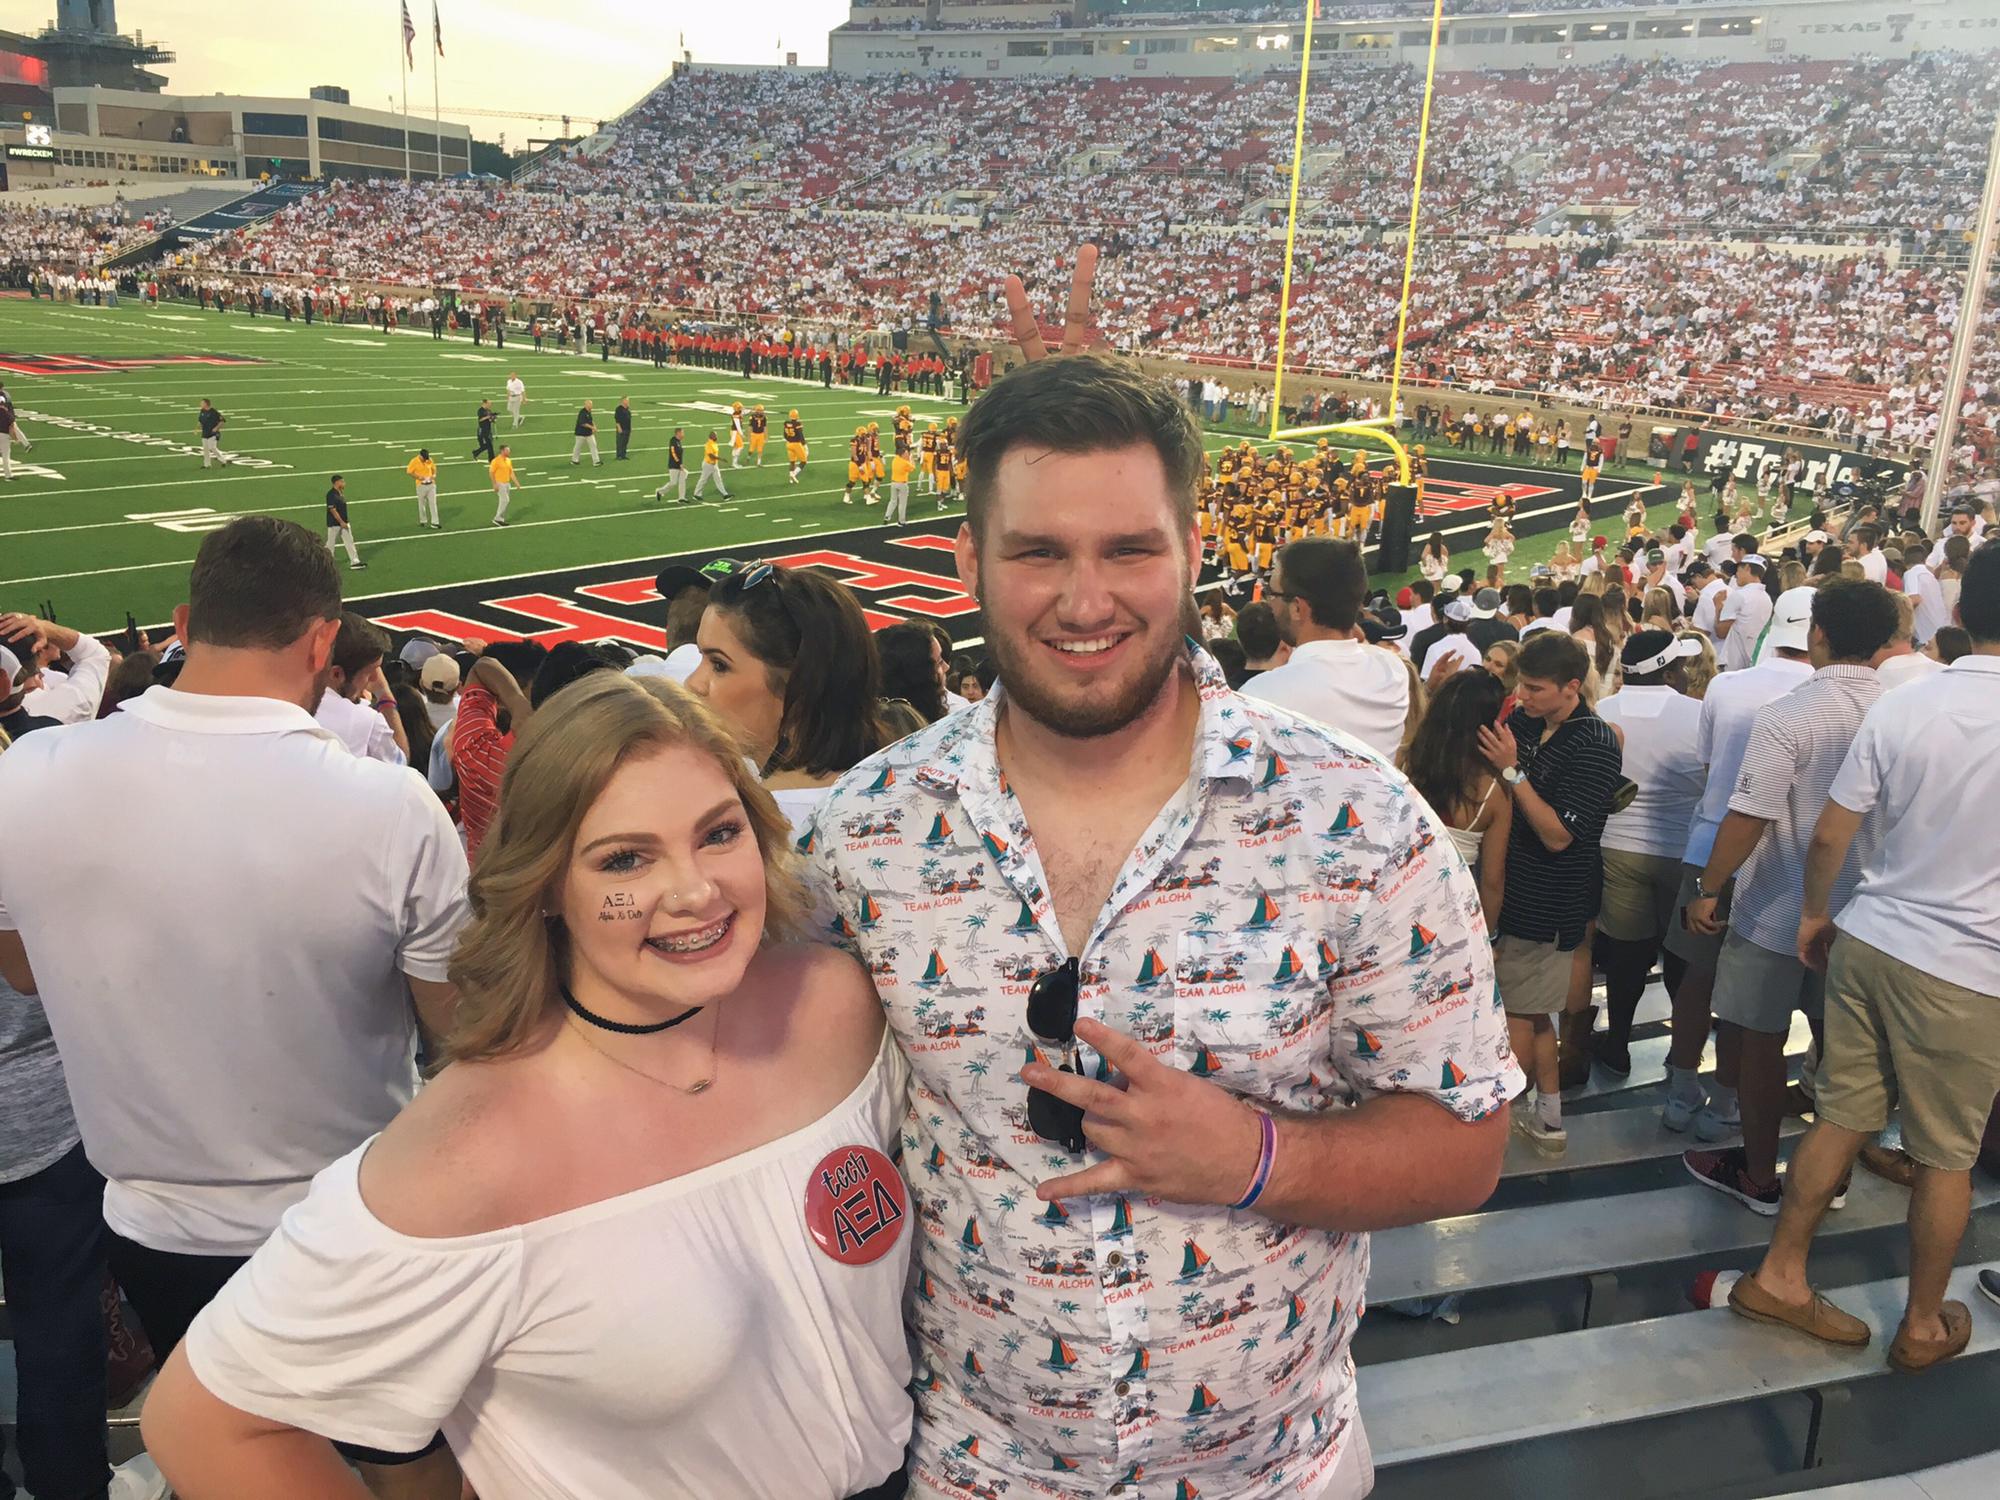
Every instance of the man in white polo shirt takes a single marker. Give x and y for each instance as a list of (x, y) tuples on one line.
[(1744, 611), (67, 697), (1913, 985), (1862, 546), (1334, 676), (357, 705), (1966, 522), (1728, 709), (1708, 588), (1642, 845), (229, 954), (1796, 748)]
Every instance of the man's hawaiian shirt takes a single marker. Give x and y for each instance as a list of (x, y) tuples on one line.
[(1294, 926)]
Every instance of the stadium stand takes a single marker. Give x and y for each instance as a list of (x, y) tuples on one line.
[(1779, 242)]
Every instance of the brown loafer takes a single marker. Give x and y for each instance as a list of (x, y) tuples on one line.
[(1890, 1166), (1818, 1319), (1911, 1355)]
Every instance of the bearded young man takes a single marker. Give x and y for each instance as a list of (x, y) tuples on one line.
[(1241, 964)]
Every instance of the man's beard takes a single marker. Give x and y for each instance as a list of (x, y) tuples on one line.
[(1094, 715)]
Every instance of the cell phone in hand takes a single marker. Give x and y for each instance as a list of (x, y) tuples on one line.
[(131, 634)]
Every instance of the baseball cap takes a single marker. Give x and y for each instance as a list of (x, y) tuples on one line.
[(1393, 628), (1459, 609), (10, 669), (1648, 651), (1757, 560), (418, 649), (1541, 570), (1698, 568), (1600, 541), (1405, 597), (439, 673), (1655, 556), (1817, 536), (1485, 604), (677, 576), (1791, 620), (1448, 585)]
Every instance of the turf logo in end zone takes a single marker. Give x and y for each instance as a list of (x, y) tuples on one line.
[(144, 439), (90, 364)]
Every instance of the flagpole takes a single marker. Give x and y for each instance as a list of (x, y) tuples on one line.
[(437, 112), (403, 41)]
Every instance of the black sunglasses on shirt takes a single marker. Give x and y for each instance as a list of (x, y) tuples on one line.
[(1052, 1002)]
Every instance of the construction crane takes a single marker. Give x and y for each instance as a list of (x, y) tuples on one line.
[(522, 114)]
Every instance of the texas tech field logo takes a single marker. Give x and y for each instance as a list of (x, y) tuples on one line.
[(90, 364)]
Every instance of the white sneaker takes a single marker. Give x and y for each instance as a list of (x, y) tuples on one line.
[(1549, 1142), (137, 1479)]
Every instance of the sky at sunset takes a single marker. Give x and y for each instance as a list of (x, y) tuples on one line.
[(592, 59)]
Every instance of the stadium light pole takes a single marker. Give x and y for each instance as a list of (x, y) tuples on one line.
[(1983, 237)]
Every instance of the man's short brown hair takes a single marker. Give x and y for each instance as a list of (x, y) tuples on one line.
[(259, 584), (1078, 403), (1552, 656)]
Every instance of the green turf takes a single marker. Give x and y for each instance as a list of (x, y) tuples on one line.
[(104, 539)]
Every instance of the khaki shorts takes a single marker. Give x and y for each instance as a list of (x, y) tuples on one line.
[(1698, 950), (1758, 989), (1641, 896), (1534, 977), (1900, 1039)]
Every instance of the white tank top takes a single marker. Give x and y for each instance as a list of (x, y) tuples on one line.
[(1465, 840), (685, 1341)]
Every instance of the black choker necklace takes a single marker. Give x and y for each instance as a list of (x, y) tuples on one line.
[(626, 1028)]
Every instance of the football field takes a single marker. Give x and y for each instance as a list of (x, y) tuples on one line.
[(104, 516)]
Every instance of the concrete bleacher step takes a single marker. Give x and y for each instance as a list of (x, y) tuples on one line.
[(1968, 1479), (1471, 1399), (1615, 1138), (1590, 1236), (1649, 1068)]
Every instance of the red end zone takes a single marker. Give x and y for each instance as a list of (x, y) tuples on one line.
[(879, 581)]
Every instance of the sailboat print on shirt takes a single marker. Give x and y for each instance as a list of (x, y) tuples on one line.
[(1421, 939), (1264, 913), (1194, 1261), (1061, 1356), (1204, 1402), (1024, 920), (940, 833), (1345, 822), (1151, 971)]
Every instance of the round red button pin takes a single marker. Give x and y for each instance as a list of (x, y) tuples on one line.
[(856, 1205)]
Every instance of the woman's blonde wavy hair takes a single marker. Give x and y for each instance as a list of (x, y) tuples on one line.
[(512, 959)]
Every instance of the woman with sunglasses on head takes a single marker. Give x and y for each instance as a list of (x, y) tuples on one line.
[(788, 661), (643, 1237)]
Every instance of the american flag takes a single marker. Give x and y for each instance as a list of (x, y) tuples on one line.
[(437, 29), (409, 38)]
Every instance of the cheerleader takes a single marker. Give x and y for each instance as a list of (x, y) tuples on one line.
[(1579, 526), (1499, 545), (1635, 517), (1565, 565), (1436, 559)]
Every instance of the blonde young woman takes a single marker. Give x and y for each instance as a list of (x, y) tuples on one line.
[(1699, 670), (1565, 564), (643, 1236)]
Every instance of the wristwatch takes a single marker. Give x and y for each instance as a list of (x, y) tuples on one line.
[(1703, 893), (1513, 776)]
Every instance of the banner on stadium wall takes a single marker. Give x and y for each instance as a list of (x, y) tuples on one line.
[(1747, 456)]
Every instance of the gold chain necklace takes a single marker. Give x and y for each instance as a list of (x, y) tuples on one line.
[(699, 1086)]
